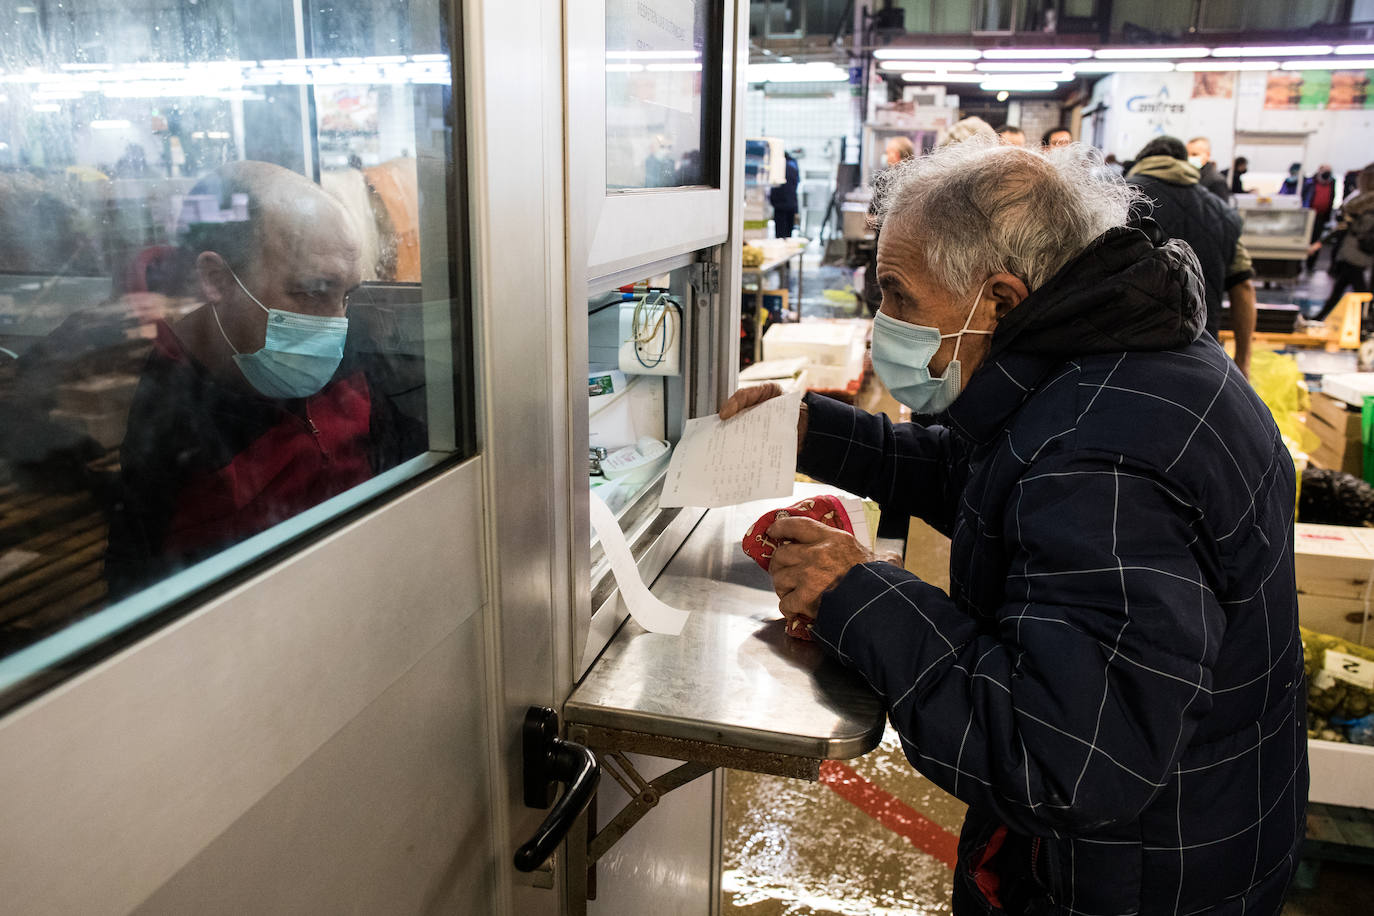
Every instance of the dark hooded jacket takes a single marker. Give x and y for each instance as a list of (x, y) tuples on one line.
[(1114, 682)]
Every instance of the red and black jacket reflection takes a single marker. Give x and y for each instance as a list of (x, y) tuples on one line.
[(205, 465)]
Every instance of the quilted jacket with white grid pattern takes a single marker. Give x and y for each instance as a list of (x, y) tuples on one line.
[(1114, 682)]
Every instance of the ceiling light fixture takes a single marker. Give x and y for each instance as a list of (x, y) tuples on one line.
[(925, 65), (1025, 67), (1140, 53), (927, 54), (914, 76), (818, 72), (1126, 66), (1272, 51), (1345, 63), (1018, 85), (1037, 53)]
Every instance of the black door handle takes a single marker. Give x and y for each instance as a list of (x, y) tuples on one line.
[(549, 760)]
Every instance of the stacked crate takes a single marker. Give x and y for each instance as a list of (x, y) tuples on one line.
[(1337, 425)]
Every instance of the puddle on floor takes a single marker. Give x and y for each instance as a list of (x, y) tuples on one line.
[(795, 848)]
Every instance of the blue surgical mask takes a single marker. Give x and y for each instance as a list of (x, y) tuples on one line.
[(902, 354), (299, 356)]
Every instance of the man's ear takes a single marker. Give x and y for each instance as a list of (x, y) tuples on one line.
[(215, 276), (1008, 290)]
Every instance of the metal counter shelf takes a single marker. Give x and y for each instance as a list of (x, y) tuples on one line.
[(732, 690), (732, 687)]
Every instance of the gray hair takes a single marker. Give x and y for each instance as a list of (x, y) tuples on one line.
[(976, 208)]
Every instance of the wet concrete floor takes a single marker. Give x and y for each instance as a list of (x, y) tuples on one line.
[(795, 848)]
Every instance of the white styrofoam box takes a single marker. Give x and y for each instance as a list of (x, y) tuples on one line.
[(1342, 774), (1350, 387), (834, 348)]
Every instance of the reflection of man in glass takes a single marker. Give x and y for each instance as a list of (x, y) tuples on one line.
[(258, 404), (660, 171)]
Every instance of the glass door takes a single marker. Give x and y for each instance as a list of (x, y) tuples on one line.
[(249, 547)]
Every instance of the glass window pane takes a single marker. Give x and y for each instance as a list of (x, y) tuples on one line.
[(662, 70), (230, 288)]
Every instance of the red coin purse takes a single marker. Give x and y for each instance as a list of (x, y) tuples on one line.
[(827, 510)]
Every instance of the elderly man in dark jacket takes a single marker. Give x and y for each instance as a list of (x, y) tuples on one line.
[(1114, 683), (1180, 208)]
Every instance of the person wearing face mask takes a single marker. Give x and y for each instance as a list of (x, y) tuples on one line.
[(1319, 195), (267, 398), (1200, 158), (1113, 683)]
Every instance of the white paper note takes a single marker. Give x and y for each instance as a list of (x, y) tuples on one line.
[(650, 613), (753, 455)]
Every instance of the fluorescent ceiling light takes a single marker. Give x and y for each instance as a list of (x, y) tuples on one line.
[(429, 58), (925, 65), (913, 76), (46, 107), (1126, 66), (1355, 49), (1224, 65), (385, 59), (87, 66), (1037, 53), (1040, 76), (676, 68), (796, 73), (1018, 85), (1273, 50), (112, 124), (624, 68), (1022, 67), (1139, 53), (653, 55), (926, 54), (1347, 63)]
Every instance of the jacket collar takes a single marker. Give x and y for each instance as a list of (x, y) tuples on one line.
[(1123, 293)]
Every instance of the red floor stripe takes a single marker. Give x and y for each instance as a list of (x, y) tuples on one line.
[(890, 811)]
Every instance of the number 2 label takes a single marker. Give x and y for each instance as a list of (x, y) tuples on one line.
[(1350, 668)]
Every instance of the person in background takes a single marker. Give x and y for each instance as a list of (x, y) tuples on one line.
[(1111, 163), (1319, 195), (1183, 210), (1293, 183), (1114, 681), (1200, 158), (898, 149), (783, 197), (265, 400), (1056, 137), (967, 129), (1353, 237), (1011, 135), (1238, 170)]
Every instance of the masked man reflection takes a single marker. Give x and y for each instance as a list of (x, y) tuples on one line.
[(1114, 682), (261, 402)]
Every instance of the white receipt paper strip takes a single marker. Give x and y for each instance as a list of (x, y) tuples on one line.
[(724, 463), (650, 613)]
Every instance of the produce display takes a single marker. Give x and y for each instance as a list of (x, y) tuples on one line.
[(753, 255), (1340, 688)]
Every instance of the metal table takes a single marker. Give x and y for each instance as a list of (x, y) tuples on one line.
[(731, 691)]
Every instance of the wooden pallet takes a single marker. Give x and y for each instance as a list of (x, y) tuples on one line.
[(1335, 833)]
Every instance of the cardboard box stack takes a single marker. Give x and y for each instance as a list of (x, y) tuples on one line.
[(1337, 424), (1334, 566)]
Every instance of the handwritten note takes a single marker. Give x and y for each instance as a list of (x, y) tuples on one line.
[(723, 463)]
